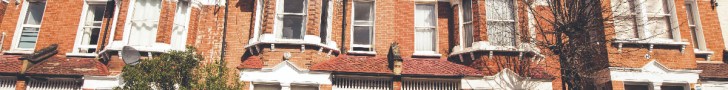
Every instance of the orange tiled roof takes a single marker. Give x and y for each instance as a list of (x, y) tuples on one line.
[(10, 64), (435, 67), (69, 66), (354, 64)]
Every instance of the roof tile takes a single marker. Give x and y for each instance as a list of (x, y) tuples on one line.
[(252, 62), (713, 70), (69, 66), (10, 64)]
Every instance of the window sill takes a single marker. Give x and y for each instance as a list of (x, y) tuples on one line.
[(81, 54), (703, 52), (651, 43), (426, 54), (484, 46), (19, 51), (363, 52)]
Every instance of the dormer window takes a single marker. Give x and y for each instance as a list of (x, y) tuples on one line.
[(291, 18)]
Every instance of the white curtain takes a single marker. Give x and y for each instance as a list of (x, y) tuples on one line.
[(659, 18), (625, 19), (144, 22), (501, 22), (425, 27), (181, 26), (467, 23)]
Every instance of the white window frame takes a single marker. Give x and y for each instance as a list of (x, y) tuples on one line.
[(643, 31), (128, 22), (462, 21), (79, 34), (186, 27), (515, 24), (278, 28), (373, 31), (694, 15), (19, 29), (435, 41)]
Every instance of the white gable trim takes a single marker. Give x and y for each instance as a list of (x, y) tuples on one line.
[(285, 74), (505, 79), (654, 72)]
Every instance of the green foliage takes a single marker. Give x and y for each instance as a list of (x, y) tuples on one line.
[(175, 70), (215, 77)]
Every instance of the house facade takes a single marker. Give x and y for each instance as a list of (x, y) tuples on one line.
[(359, 44)]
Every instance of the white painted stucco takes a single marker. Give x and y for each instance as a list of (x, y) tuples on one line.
[(712, 85), (285, 74), (505, 80), (101, 82)]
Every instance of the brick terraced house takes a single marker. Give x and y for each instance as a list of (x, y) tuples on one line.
[(358, 44)]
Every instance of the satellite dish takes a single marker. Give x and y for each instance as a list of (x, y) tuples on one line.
[(130, 55)]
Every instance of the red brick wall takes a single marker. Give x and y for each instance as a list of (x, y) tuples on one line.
[(9, 23), (711, 29)]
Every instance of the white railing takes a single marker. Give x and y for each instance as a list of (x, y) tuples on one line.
[(51, 84), (7, 83), (362, 84), (430, 85)]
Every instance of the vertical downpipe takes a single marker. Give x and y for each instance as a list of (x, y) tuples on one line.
[(224, 36), (343, 28)]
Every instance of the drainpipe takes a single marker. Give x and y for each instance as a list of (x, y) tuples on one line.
[(117, 6), (106, 29), (224, 36), (343, 28)]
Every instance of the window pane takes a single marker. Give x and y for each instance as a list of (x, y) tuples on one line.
[(660, 27), (695, 37), (501, 33), (468, 35), (625, 27), (672, 88), (362, 35), (425, 15), (35, 13), (623, 7), (425, 39), (293, 6), (144, 22), (323, 28), (499, 9), (467, 11), (656, 6), (636, 87), (363, 11), (689, 9), (96, 12), (28, 37), (292, 27), (266, 87)]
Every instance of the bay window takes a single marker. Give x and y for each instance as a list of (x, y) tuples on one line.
[(651, 19), (363, 26), (181, 25), (27, 35), (292, 19), (467, 23), (500, 19), (144, 22), (425, 28), (88, 35)]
